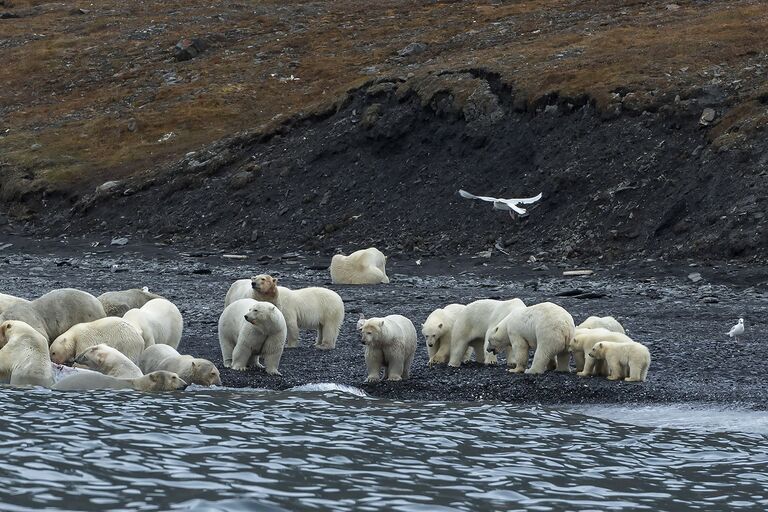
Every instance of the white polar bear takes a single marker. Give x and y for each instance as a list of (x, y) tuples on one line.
[(9, 300), (437, 330), (471, 327), (547, 328), (107, 360), (366, 266), (113, 331), (192, 370), (87, 380), (250, 329), (158, 321), (583, 341), (24, 359), (119, 302), (624, 359), (312, 308), (56, 311), (606, 322), (390, 342)]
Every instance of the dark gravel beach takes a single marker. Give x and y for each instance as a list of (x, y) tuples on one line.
[(682, 322)]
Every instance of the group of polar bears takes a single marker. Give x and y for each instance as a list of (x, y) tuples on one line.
[(135, 348)]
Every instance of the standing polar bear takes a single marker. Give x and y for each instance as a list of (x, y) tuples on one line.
[(623, 359), (56, 311), (547, 328), (437, 331), (109, 361), (112, 331), (250, 329), (312, 308), (158, 321), (471, 327), (605, 322), (583, 341), (366, 266), (192, 370), (390, 342), (24, 359)]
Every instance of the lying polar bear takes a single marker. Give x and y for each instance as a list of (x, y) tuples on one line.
[(366, 266)]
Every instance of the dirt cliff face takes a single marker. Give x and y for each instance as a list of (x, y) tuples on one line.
[(641, 125)]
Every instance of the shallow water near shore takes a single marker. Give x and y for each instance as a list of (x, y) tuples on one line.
[(324, 447)]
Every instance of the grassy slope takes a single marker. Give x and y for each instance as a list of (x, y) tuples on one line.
[(76, 83)]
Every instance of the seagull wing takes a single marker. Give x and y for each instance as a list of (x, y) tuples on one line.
[(467, 195), (503, 205)]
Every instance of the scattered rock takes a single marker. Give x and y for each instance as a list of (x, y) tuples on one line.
[(9, 15), (108, 187), (5, 246), (119, 241), (188, 49), (241, 179), (695, 277), (672, 7), (254, 235), (370, 116), (574, 273), (709, 299), (234, 256), (412, 49), (707, 116)]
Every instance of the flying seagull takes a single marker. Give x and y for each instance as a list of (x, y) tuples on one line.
[(511, 205), (737, 330)]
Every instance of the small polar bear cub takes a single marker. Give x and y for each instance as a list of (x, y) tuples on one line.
[(605, 322), (109, 361), (390, 342), (24, 359), (366, 266), (583, 341), (632, 359), (547, 328), (471, 326), (437, 331), (158, 321), (250, 330)]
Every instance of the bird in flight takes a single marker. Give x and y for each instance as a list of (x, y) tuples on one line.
[(510, 205)]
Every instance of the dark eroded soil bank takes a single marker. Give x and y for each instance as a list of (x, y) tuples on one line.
[(683, 323)]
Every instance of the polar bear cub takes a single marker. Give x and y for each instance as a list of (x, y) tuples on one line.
[(313, 308), (632, 359), (606, 322), (437, 330), (24, 359), (107, 360), (250, 329), (390, 342), (111, 330), (471, 327), (547, 328), (158, 321), (583, 341), (366, 266), (192, 370)]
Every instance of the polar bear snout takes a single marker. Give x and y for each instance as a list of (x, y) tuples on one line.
[(491, 350)]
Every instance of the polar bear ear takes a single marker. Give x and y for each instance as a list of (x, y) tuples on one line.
[(194, 365), (381, 323), (274, 280), (440, 325)]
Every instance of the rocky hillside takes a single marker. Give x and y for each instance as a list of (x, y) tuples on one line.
[(275, 126)]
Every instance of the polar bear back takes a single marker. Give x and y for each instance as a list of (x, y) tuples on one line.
[(605, 322), (366, 266), (117, 303), (191, 370), (8, 300), (394, 330), (311, 306), (474, 321), (585, 338), (24, 359), (544, 322), (159, 321), (240, 289), (111, 330), (56, 311)]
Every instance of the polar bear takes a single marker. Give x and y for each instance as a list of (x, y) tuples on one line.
[(119, 302), (250, 329), (437, 331), (546, 327), (56, 311), (606, 322), (158, 321), (311, 308), (191, 370), (390, 342), (583, 341), (366, 266), (113, 331), (624, 359), (155, 381), (8, 300), (24, 359), (472, 324), (107, 360)]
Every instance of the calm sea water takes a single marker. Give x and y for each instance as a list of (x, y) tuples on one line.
[(321, 448)]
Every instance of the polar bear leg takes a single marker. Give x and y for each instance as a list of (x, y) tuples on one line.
[(578, 358), (319, 338), (226, 351), (329, 336), (644, 371), (589, 365), (482, 355), (635, 373), (271, 362), (541, 358), (292, 340), (518, 353), (255, 362), (407, 366), (395, 368), (241, 355), (614, 368), (563, 360), (442, 352), (373, 360)]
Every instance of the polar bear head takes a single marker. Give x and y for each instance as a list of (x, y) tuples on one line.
[(265, 285), (160, 380), (11, 329), (496, 339), (63, 349), (370, 332), (260, 312), (598, 350), (204, 373)]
